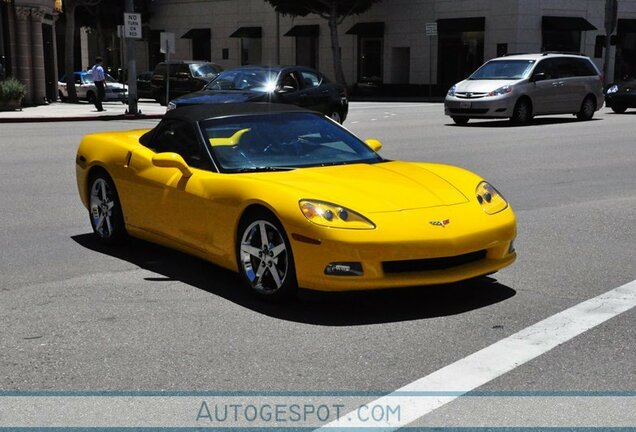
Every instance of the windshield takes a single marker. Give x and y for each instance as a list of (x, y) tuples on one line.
[(245, 79), (282, 141), (88, 78), (503, 70), (203, 70)]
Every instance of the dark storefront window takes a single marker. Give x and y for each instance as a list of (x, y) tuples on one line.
[(563, 33), (370, 51), (460, 48), (201, 45), (306, 44), (251, 46), (625, 66)]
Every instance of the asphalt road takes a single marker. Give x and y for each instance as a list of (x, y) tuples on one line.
[(76, 315)]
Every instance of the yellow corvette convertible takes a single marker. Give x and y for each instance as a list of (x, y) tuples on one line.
[(287, 197)]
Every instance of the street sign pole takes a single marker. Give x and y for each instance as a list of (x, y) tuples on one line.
[(132, 30), (166, 41)]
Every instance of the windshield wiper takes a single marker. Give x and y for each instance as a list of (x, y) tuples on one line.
[(264, 168)]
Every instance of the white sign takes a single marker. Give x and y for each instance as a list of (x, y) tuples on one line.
[(167, 42), (132, 25), (431, 29)]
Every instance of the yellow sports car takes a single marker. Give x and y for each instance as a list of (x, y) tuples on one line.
[(287, 197)]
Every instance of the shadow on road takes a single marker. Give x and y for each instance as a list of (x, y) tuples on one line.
[(327, 309), (504, 123)]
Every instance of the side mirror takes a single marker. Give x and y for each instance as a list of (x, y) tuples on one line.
[(374, 144), (541, 76), (285, 89), (171, 160)]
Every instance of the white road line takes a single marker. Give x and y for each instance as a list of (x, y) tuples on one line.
[(491, 362)]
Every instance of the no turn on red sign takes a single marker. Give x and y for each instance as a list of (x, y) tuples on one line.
[(132, 25)]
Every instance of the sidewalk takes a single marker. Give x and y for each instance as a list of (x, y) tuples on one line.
[(83, 111)]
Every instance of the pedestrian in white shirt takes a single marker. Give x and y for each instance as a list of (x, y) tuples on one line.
[(100, 83)]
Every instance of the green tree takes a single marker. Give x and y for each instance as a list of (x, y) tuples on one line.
[(334, 11)]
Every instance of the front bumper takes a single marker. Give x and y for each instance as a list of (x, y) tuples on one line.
[(484, 107), (400, 238), (620, 99)]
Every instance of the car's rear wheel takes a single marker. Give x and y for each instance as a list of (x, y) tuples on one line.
[(522, 113), (587, 109), (264, 256), (105, 210), (619, 109), (460, 120)]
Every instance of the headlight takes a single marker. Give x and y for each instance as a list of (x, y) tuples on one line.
[(491, 201), (334, 216), (171, 106), (501, 91), (612, 89), (451, 91)]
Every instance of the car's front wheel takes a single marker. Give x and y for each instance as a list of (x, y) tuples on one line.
[(522, 112), (264, 256), (460, 120), (105, 210), (587, 109), (619, 109)]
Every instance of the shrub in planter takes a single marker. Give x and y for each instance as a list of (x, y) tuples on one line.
[(11, 93)]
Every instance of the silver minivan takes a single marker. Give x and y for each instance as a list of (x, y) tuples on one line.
[(520, 87)]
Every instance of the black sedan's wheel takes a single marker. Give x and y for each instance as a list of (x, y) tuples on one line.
[(619, 109), (264, 256), (522, 113), (460, 120), (587, 109), (105, 210)]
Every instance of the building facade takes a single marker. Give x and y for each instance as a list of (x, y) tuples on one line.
[(27, 46), (397, 42)]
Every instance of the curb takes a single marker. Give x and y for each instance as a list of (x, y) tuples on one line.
[(80, 118)]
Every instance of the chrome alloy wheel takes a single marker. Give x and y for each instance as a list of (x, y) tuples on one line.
[(264, 257), (102, 203)]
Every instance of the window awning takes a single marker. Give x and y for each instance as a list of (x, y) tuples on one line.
[(565, 23), (248, 32), (304, 30), (201, 33), (460, 25), (369, 29), (626, 26)]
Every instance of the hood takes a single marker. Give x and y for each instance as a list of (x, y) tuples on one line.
[(219, 96), (370, 188), (482, 86)]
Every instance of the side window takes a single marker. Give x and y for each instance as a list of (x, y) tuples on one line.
[(546, 67), (179, 137), (567, 67), (289, 80), (310, 79), (585, 68)]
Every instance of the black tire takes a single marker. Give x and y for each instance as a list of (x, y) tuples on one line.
[(460, 120), (61, 95), (588, 107), (274, 260), (105, 212), (90, 97), (619, 109), (522, 113)]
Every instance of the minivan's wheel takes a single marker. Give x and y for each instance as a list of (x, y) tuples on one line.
[(522, 113), (105, 210), (90, 97), (619, 109), (460, 120), (335, 116), (587, 109), (264, 256)]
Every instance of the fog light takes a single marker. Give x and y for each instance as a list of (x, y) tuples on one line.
[(344, 269)]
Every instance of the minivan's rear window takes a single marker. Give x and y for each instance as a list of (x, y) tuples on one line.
[(503, 70)]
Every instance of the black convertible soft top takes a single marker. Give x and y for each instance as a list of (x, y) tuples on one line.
[(196, 113)]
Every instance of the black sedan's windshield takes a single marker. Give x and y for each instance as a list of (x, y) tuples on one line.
[(503, 70), (282, 141), (245, 79)]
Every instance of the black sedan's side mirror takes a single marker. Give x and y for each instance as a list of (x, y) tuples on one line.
[(285, 89)]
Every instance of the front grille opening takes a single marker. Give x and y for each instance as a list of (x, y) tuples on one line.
[(430, 264), (469, 110)]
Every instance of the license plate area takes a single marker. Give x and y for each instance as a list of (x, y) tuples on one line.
[(465, 105)]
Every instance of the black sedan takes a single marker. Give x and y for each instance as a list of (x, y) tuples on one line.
[(621, 95), (296, 85)]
